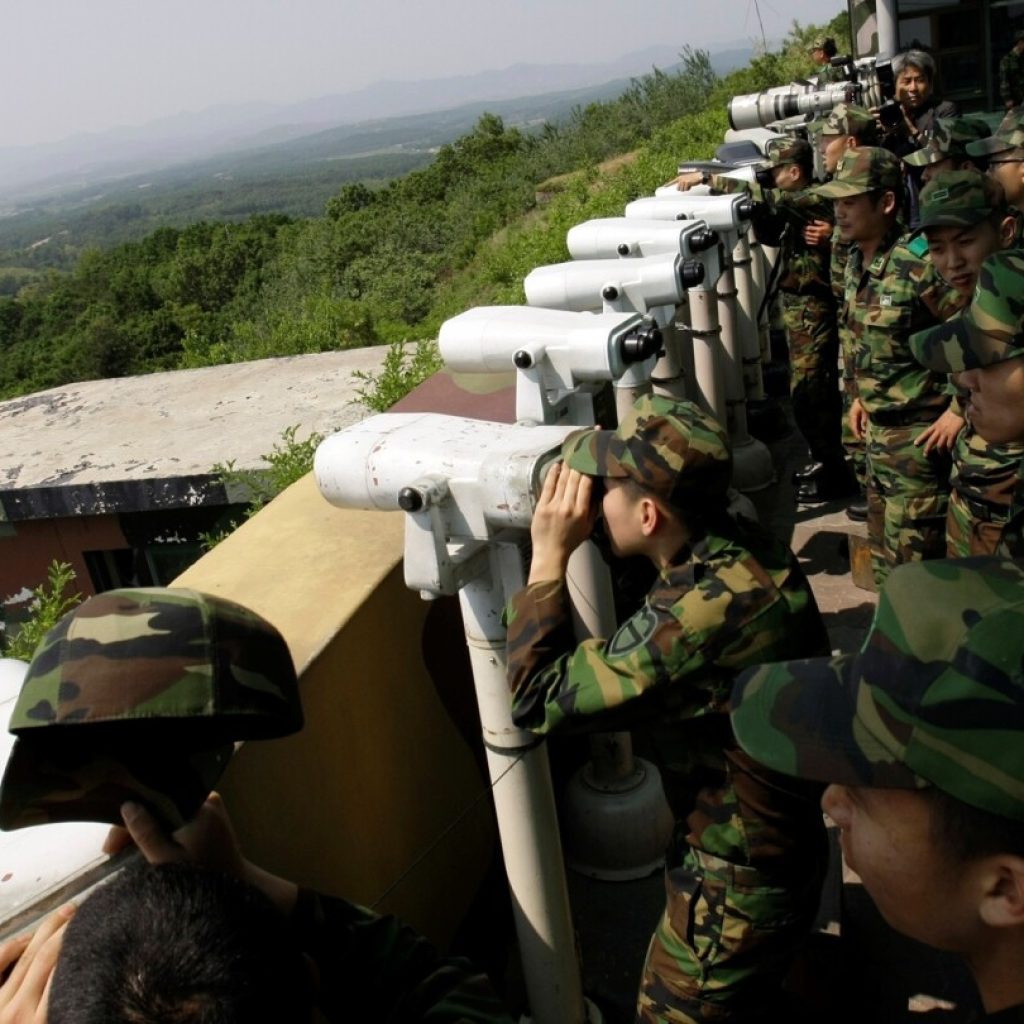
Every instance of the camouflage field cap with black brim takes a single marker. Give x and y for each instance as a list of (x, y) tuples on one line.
[(849, 119), (959, 199), (948, 140), (672, 448), (934, 697), (1009, 135), (141, 695), (863, 169), (990, 330)]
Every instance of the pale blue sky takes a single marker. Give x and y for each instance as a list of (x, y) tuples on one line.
[(69, 66)]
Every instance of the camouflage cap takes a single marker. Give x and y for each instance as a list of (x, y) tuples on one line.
[(934, 697), (863, 169), (672, 448), (990, 330), (948, 140), (140, 694), (849, 119), (1009, 135), (787, 150), (960, 199)]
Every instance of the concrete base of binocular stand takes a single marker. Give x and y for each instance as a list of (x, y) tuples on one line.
[(752, 466), (616, 829)]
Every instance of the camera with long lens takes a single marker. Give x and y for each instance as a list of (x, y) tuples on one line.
[(871, 83)]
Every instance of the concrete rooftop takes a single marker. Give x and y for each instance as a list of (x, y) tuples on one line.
[(103, 445)]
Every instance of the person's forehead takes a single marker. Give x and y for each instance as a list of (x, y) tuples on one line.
[(952, 232), (912, 70)]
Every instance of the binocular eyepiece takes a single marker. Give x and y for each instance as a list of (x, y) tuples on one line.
[(645, 342)]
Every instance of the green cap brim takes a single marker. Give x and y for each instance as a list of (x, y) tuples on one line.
[(840, 190), (590, 452), (958, 344), (51, 778), (953, 217), (924, 157), (811, 719), (983, 147)]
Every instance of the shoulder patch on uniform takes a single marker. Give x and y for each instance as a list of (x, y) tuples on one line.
[(633, 633), (885, 300), (918, 245)]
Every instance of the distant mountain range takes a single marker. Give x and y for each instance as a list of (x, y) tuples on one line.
[(36, 173)]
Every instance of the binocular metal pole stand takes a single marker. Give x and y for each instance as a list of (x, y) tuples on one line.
[(467, 489), (752, 462), (525, 807)]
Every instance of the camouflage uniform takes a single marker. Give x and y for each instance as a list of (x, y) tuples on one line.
[(853, 445), (743, 873), (1009, 136), (984, 473), (948, 140), (991, 331), (826, 73), (847, 119), (140, 695), (933, 700), (1011, 75), (137, 695), (886, 301), (934, 696), (808, 310)]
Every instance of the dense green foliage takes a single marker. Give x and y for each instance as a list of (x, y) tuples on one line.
[(50, 600), (382, 264)]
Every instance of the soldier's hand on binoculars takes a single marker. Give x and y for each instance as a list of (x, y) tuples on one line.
[(563, 519), (684, 182)]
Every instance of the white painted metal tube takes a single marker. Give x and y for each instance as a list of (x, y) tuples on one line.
[(527, 823)]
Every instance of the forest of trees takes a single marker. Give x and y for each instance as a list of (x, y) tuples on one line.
[(382, 263)]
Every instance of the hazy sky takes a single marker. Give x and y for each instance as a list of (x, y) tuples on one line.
[(69, 66)]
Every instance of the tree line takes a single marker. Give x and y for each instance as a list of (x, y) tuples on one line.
[(381, 264)]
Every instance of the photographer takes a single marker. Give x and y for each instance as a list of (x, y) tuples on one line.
[(913, 120)]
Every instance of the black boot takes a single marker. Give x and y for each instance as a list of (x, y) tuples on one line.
[(857, 510), (835, 481)]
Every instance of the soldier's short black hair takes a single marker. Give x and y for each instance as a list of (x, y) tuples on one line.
[(173, 943), (967, 833)]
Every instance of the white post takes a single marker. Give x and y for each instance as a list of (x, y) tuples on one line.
[(527, 824)]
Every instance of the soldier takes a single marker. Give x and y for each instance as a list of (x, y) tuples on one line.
[(984, 347), (823, 49), (946, 148), (1005, 152), (921, 737), (126, 708), (845, 127), (901, 410), (1011, 73), (744, 869), (810, 315), (965, 218)]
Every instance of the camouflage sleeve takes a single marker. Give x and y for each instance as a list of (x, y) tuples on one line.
[(377, 968), (556, 682)]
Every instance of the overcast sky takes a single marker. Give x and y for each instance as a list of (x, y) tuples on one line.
[(70, 66)]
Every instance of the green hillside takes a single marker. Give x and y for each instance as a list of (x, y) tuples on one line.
[(377, 264)]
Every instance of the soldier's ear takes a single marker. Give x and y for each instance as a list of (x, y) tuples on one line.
[(1002, 903), (889, 201), (1007, 229)]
